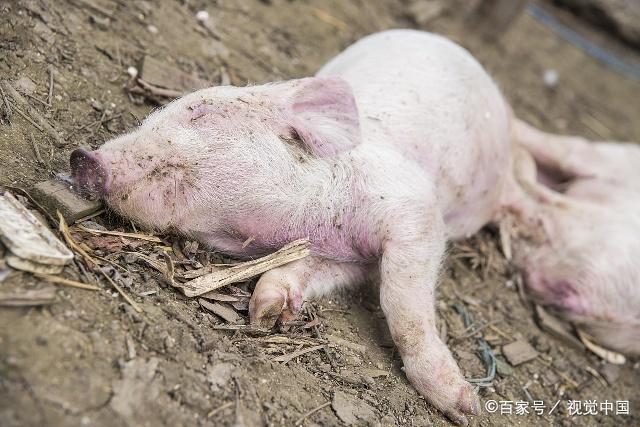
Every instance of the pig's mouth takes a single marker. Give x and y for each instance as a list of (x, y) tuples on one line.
[(89, 173)]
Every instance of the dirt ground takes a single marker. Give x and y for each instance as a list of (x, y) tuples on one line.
[(89, 359)]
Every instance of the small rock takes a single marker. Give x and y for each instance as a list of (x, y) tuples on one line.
[(389, 421), (541, 344), (97, 105), (152, 29), (610, 372), (549, 378), (466, 356), (99, 22), (218, 375), (425, 11), (519, 352), (503, 368), (169, 343), (137, 389), (352, 410), (25, 85)]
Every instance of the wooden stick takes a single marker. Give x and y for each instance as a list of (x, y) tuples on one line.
[(27, 118), (243, 271), (286, 358), (50, 94), (36, 150), (218, 409), (138, 236), (67, 282), (311, 412)]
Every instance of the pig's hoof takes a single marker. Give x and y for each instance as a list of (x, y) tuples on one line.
[(455, 403), (273, 296), (467, 403), (447, 391)]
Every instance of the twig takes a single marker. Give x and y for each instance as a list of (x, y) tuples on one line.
[(36, 150), (92, 263), (329, 19), (29, 297), (94, 7), (596, 375), (133, 304), (100, 121), (27, 118), (318, 335), (44, 125), (218, 409), (473, 331), (138, 236), (155, 90), (35, 98), (286, 358), (66, 282), (7, 105), (50, 93), (311, 412), (64, 229), (92, 215), (136, 118), (499, 332)]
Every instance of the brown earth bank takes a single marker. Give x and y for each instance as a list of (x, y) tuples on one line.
[(90, 359)]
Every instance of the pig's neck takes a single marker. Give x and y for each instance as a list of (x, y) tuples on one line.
[(327, 202), (320, 198)]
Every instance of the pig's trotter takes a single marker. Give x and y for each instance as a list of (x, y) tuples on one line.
[(436, 376), (268, 301), (287, 287), (409, 268)]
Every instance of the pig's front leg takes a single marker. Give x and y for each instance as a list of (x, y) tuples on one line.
[(412, 255), (288, 286)]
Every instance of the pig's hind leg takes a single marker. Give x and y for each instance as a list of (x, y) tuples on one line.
[(569, 157), (287, 287)]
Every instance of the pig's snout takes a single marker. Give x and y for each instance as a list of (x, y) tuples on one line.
[(89, 172)]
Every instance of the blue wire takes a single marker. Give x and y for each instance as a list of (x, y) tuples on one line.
[(628, 68)]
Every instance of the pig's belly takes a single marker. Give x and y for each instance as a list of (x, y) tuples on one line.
[(433, 102)]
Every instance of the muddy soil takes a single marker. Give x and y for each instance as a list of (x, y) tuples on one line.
[(90, 360)]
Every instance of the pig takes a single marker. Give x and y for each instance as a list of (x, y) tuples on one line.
[(575, 207), (397, 145)]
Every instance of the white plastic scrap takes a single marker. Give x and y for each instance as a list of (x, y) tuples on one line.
[(31, 245), (550, 78), (202, 15)]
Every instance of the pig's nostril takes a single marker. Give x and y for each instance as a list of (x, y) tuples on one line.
[(88, 172)]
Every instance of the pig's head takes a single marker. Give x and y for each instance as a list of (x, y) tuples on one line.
[(204, 157)]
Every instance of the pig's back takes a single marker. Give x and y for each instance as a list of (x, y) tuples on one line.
[(428, 98)]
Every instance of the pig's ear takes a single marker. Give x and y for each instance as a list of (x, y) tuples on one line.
[(324, 115)]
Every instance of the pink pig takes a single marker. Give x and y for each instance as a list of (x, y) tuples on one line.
[(398, 144)]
